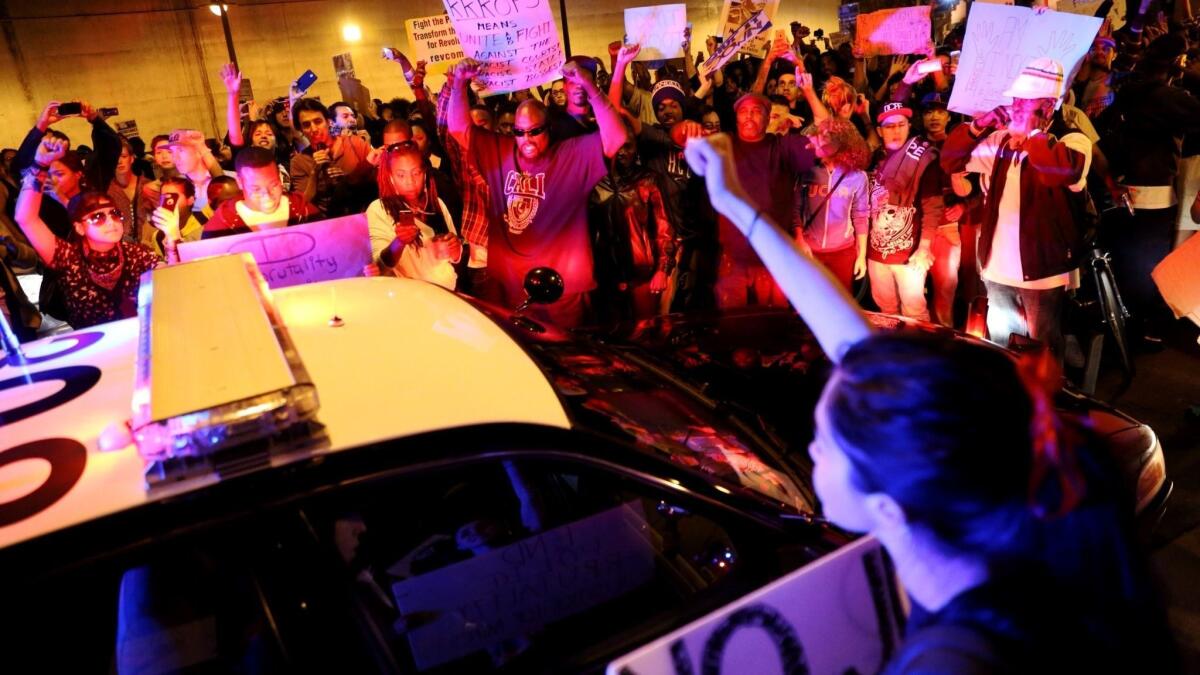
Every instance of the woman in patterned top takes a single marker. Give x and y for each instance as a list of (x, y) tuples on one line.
[(99, 271)]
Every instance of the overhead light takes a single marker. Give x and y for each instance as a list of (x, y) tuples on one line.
[(216, 9), (351, 32)]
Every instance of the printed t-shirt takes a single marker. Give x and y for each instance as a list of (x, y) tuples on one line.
[(537, 212)]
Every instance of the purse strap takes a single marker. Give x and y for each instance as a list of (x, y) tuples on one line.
[(808, 220)]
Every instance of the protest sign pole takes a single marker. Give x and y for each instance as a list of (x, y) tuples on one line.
[(562, 11), (228, 36)]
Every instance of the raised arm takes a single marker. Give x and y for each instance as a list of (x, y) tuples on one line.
[(30, 201), (805, 82), (820, 299), (458, 110), (233, 116), (617, 89), (106, 144), (612, 127)]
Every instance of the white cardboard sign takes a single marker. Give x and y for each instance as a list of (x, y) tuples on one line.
[(754, 27), (840, 614), (658, 29), (434, 41), (516, 41), (338, 248), (481, 602), (1001, 39), (737, 12)]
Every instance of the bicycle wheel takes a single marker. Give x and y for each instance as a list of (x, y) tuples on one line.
[(1113, 316)]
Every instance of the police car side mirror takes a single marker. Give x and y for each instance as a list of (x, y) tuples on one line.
[(543, 286)]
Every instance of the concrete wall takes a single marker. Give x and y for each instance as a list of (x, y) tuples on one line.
[(157, 60)]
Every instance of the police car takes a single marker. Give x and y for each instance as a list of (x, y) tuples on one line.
[(377, 475)]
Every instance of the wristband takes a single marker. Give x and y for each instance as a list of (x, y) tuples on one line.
[(753, 224)]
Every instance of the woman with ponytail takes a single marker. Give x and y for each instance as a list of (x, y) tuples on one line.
[(1009, 533)]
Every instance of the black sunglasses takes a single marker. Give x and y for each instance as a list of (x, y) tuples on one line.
[(402, 144), (536, 131)]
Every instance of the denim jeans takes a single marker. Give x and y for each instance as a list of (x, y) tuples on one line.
[(1036, 314)]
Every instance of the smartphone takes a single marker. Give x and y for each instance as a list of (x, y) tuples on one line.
[(930, 66), (306, 80), (72, 108), (109, 112), (168, 200)]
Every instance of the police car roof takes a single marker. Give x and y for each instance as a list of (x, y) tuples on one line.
[(409, 358)]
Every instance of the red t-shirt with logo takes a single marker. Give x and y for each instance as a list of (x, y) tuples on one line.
[(537, 212)]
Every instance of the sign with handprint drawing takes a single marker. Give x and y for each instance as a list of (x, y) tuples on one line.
[(1001, 39)]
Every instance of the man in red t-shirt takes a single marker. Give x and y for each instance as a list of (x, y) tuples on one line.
[(538, 187)]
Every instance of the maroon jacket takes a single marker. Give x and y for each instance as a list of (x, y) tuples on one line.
[(226, 221), (1051, 237)]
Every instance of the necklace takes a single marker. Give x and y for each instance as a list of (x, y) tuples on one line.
[(106, 280)]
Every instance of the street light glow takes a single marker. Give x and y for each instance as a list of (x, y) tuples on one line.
[(216, 9), (351, 32)]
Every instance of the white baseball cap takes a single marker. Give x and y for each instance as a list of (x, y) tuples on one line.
[(1040, 78)]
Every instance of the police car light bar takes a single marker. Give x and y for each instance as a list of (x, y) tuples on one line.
[(218, 379)]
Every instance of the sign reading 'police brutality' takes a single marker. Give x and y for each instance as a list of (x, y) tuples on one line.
[(338, 248), (434, 41), (755, 26), (840, 614), (1000, 40), (516, 41)]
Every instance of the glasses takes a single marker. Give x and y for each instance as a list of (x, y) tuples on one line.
[(97, 217), (536, 131), (402, 144)]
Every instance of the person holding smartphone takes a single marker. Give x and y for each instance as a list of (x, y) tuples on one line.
[(412, 232)]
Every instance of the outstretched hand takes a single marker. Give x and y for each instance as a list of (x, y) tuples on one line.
[(232, 78), (712, 157)]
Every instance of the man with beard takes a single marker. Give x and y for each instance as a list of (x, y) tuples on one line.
[(575, 117), (1029, 241), (538, 189)]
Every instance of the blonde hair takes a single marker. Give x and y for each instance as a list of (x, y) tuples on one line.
[(838, 93)]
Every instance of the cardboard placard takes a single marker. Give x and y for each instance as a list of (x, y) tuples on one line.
[(658, 29), (127, 128), (839, 38), (752, 29), (736, 13), (840, 614), (434, 41), (1000, 40), (1178, 279), (517, 43), (481, 602), (343, 65), (338, 248), (904, 30)]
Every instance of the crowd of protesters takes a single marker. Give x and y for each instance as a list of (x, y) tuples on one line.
[(815, 171), (859, 157)]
